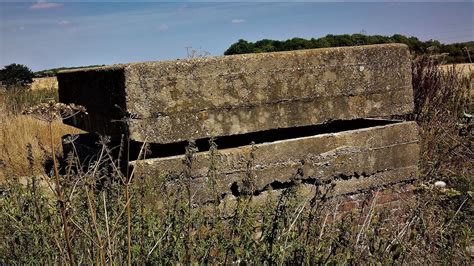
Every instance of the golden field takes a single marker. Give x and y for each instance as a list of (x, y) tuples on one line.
[(17, 131), (45, 83)]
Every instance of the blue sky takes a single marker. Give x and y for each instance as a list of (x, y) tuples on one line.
[(45, 35)]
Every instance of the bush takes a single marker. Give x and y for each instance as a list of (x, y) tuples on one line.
[(15, 75)]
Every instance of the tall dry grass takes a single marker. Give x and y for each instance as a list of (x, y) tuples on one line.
[(443, 109), (18, 131)]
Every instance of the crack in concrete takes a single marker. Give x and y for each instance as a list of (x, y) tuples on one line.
[(279, 101), (295, 181)]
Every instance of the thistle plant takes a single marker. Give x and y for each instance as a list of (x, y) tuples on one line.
[(50, 112)]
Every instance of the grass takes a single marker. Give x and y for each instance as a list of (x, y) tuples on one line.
[(442, 100), (94, 214), (16, 99), (18, 132)]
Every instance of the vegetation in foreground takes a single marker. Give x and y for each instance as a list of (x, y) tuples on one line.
[(90, 213)]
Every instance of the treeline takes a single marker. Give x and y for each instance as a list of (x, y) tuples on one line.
[(52, 72), (450, 53)]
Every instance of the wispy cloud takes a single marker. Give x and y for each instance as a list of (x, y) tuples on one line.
[(237, 21), (162, 27), (14, 29), (42, 4), (182, 9), (64, 23)]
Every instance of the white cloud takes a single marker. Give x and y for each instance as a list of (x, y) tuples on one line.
[(15, 28), (182, 8), (42, 4), (162, 27), (64, 23), (237, 21)]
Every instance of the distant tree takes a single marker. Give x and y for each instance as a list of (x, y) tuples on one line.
[(240, 47), (53, 71), (16, 75), (456, 53)]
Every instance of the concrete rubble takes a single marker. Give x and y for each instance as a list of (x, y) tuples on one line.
[(354, 160)]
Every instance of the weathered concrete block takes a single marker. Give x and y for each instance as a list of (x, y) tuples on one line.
[(219, 96), (353, 160)]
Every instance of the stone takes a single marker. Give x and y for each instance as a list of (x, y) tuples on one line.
[(173, 101), (440, 184), (470, 250)]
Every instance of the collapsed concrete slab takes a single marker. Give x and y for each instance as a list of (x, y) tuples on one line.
[(353, 160), (167, 102)]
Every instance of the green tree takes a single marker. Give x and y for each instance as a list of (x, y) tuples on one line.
[(16, 75), (240, 47), (453, 53)]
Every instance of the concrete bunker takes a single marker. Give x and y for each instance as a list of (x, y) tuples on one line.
[(312, 116)]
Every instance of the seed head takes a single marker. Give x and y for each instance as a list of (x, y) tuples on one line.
[(52, 110)]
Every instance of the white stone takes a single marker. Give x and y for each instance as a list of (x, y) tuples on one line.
[(470, 250), (440, 184)]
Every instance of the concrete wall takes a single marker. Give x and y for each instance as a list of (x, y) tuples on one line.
[(353, 160), (191, 99), (259, 96)]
